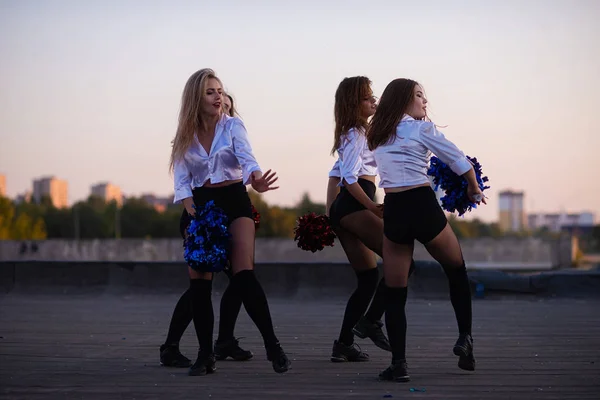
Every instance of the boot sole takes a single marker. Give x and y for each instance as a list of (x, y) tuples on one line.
[(175, 365), (405, 378), (222, 358), (283, 369), (344, 359), (197, 373), (466, 364), (382, 346)]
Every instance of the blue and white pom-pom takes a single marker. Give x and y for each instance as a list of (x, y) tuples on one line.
[(208, 239), (455, 186)]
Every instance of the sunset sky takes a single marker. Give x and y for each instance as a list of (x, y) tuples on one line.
[(90, 90)]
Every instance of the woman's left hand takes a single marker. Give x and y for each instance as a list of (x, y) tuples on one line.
[(262, 183)]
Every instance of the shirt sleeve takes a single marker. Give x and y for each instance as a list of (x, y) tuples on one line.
[(183, 181), (335, 171), (243, 150), (350, 161), (444, 149)]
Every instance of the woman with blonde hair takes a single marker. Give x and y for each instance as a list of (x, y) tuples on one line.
[(226, 345), (212, 160)]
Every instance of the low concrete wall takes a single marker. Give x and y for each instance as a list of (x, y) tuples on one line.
[(544, 254), (297, 280)]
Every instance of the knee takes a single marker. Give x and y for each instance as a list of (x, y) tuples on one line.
[(241, 267), (454, 267), (395, 277), (194, 275)]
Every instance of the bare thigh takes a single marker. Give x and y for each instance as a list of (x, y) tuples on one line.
[(445, 249), (397, 259), (361, 258), (367, 227), (242, 244)]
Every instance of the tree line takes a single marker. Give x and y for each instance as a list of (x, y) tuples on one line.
[(94, 218)]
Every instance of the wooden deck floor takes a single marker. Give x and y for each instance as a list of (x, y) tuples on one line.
[(106, 347)]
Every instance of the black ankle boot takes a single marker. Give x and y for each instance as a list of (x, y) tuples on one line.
[(277, 356), (170, 356), (205, 364), (464, 350), (397, 372)]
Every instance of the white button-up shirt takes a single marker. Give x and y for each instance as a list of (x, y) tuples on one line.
[(404, 160), (354, 157), (230, 158)]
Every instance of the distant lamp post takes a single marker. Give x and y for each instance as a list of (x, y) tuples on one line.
[(117, 222)]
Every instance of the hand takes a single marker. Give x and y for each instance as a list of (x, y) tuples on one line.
[(188, 203), (262, 183), (475, 194), (377, 209)]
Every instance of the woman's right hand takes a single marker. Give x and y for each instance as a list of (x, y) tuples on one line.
[(376, 209), (188, 203), (475, 194)]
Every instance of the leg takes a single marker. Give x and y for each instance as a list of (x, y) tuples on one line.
[(363, 261), (446, 250), (203, 316), (227, 345), (170, 356), (396, 265), (369, 229), (250, 291)]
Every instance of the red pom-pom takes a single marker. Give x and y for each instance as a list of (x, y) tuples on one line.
[(313, 232), (256, 217)]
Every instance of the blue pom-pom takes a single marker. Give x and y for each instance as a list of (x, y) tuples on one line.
[(207, 244), (455, 186)]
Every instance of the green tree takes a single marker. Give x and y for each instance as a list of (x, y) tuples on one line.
[(306, 205), (7, 214), (20, 223), (137, 219)]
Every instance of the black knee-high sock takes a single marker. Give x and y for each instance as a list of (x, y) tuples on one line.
[(377, 307), (182, 316), (395, 321), (202, 311), (255, 302), (460, 296), (358, 303), (231, 303)]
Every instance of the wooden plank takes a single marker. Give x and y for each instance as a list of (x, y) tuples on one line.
[(106, 347)]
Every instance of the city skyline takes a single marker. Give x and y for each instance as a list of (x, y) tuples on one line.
[(105, 109)]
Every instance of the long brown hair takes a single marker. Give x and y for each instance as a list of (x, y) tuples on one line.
[(232, 110), (348, 96), (393, 104), (190, 117)]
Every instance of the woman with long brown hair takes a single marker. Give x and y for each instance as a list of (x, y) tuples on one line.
[(356, 217), (212, 160), (402, 141)]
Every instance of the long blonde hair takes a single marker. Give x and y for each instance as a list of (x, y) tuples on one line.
[(190, 118)]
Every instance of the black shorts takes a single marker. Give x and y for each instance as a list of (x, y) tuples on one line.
[(345, 203), (414, 214), (232, 199)]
